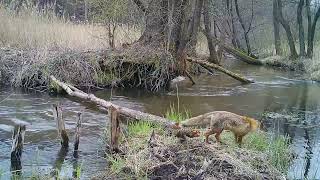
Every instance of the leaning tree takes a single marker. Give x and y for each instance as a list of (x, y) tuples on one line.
[(171, 25)]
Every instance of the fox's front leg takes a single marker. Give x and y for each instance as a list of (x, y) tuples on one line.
[(218, 132)]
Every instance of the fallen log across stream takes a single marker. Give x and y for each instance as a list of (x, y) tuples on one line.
[(208, 65), (126, 112)]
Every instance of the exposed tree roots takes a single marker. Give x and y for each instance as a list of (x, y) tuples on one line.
[(143, 68)]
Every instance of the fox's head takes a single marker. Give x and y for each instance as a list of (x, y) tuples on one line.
[(254, 124)]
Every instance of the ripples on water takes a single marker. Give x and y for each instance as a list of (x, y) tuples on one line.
[(296, 103)]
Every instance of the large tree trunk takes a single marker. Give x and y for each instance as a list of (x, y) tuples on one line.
[(309, 18), (301, 29), (198, 10), (156, 21), (207, 24), (286, 26), (176, 37), (276, 29)]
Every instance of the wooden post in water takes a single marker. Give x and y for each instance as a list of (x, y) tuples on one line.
[(115, 128), (17, 146), (77, 136), (57, 114)]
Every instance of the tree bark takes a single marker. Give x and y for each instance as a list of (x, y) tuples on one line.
[(115, 129), (276, 29), (309, 18), (286, 26), (246, 37), (57, 114), (156, 21), (276, 25), (312, 33), (207, 24), (235, 40), (193, 42), (301, 29)]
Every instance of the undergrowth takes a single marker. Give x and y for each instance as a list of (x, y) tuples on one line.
[(259, 152), (177, 116), (277, 149)]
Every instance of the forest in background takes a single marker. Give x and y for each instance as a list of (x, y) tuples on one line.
[(176, 33)]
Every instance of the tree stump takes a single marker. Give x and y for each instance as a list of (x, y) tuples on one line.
[(77, 136), (17, 147), (115, 129), (57, 114)]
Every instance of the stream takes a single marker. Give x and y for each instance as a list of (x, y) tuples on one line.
[(281, 95)]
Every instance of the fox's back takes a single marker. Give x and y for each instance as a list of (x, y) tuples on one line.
[(226, 120)]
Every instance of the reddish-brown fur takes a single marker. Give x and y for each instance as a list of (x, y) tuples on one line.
[(217, 121)]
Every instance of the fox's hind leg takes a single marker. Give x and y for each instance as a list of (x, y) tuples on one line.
[(207, 134), (240, 140)]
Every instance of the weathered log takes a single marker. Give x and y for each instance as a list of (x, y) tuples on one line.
[(17, 147), (77, 136), (132, 114), (208, 65), (114, 129), (57, 114), (123, 111), (240, 55), (236, 53)]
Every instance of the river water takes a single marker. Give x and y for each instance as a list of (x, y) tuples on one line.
[(286, 105)]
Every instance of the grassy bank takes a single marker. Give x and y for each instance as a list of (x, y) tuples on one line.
[(262, 156)]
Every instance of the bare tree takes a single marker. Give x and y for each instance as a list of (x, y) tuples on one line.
[(311, 28), (276, 28), (242, 23), (286, 27), (207, 24), (301, 29)]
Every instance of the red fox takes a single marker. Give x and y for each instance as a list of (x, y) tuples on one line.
[(217, 121)]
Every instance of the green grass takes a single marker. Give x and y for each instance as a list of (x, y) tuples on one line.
[(177, 116), (141, 128), (276, 148), (117, 163)]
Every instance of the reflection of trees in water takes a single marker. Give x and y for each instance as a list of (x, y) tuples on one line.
[(303, 119)]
